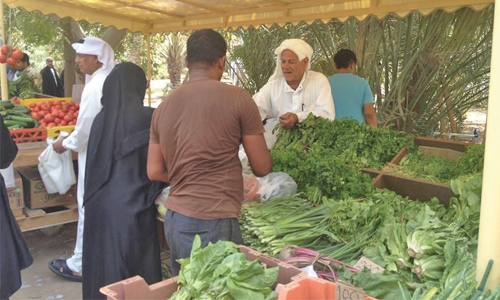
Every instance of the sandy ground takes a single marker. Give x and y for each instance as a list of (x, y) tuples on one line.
[(38, 281)]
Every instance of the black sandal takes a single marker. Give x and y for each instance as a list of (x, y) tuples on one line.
[(59, 267)]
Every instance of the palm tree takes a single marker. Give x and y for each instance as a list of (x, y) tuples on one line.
[(426, 71), (173, 51)]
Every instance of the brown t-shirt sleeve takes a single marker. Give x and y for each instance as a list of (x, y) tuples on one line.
[(250, 117)]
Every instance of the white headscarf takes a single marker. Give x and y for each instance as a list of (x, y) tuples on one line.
[(297, 46), (95, 46)]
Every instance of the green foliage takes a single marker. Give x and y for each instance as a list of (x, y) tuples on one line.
[(361, 146), (24, 87), (28, 30), (221, 271), (412, 64), (434, 168), (471, 161), (320, 168)]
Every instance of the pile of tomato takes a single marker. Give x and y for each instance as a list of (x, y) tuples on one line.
[(49, 114)]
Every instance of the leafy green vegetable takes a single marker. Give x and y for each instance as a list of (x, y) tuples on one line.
[(24, 87), (221, 271)]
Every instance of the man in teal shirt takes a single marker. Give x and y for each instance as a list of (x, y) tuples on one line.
[(352, 95)]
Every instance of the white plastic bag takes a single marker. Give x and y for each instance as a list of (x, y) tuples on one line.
[(277, 184), (56, 170)]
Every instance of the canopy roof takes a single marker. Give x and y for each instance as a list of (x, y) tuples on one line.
[(153, 16)]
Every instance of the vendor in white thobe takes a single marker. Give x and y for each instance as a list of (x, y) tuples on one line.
[(294, 91), (95, 58)]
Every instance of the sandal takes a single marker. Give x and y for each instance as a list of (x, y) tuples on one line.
[(59, 267)]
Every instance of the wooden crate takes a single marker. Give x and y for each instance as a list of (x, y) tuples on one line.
[(415, 189), (42, 218)]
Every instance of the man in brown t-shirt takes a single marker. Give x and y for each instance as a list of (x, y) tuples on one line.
[(195, 137)]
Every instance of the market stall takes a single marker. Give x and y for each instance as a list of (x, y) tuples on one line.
[(164, 16)]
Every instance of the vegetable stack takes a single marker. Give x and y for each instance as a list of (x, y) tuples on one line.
[(16, 116)]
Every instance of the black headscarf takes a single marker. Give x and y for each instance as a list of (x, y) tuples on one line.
[(121, 127)]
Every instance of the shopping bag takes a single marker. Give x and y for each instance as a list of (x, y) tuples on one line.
[(276, 184), (56, 170), (250, 188)]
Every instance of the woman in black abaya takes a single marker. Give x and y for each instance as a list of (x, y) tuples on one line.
[(120, 239), (14, 254)]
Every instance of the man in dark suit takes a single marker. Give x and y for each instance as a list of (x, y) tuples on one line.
[(51, 83)]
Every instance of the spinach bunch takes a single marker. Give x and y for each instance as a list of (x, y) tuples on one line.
[(221, 271)]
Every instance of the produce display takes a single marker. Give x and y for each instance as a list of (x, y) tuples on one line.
[(424, 247), (10, 55), (324, 157), (54, 113), (221, 271), (427, 250), (44, 114), (439, 169), (358, 145), (16, 116)]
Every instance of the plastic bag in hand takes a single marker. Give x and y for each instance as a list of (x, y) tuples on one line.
[(56, 170), (277, 184)]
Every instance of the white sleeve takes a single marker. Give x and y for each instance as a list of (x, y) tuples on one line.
[(89, 108), (324, 100), (263, 100)]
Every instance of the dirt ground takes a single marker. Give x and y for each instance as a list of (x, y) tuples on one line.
[(38, 281)]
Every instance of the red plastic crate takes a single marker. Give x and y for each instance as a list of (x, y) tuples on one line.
[(311, 288), (137, 288), (28, 135)]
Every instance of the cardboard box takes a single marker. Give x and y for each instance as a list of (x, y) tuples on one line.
[(15, 194), (136, 288), (18, 212), (35, 194)]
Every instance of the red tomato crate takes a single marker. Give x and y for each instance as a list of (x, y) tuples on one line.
[(28, 135)]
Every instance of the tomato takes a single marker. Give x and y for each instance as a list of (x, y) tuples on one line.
[(68, 117), (3, 58), (5, 49), (51, 124), (35, 115), (71, 123), (63, 123), (16, 54), (35, 109), (49, 117), (62, 114), (11, 62), (43, 113), (57, 120)]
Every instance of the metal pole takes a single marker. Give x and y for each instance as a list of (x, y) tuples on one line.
[(3, 68), (489, 221), (148, 38)]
